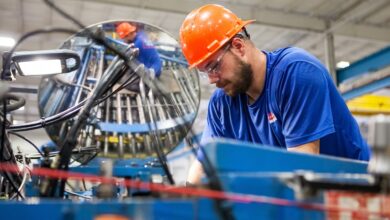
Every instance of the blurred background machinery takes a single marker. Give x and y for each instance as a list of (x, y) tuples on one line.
[(122, 114), (120, 126)]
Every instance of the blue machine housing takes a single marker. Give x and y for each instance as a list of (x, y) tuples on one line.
[(255, 170), (243, 168)]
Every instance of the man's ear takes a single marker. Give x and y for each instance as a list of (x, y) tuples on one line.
[(238, 46)]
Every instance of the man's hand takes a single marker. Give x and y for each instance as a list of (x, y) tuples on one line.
[(310, 148), (195, 173)]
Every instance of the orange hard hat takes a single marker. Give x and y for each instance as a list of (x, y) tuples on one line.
[(207, 29), (124, 29)]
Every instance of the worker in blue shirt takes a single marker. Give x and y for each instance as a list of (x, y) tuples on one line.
[(148, 54), (284, 98)]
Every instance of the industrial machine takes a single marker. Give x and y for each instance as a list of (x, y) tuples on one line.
[(105, 107), (112, 124), (120, 126)]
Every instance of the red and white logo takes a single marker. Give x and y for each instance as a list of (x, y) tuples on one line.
[(271, 117)]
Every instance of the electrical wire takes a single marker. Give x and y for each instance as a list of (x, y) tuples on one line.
[(78, 195), (70, 141), (209, 171), (7, 60), (19, 101), (64, 115), (208, 168), (72, 84), (84, 185), (196, 192), (6, 69), (28, 141), (64, 158), (25, 175), (3, 147), (55, 153), (12, 181)]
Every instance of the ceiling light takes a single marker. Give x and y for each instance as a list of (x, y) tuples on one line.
[(7, 42), (41, 67), (342, 64), (44, 62)]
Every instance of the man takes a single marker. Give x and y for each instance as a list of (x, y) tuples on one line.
[(148, 54), (284, 98)]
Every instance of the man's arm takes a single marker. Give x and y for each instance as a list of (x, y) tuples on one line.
[(195, 173), (310, 148), (213, 128)]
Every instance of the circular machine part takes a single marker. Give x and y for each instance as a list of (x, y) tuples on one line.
[(137, 119)]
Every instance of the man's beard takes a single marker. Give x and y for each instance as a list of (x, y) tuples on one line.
[(242, 78)]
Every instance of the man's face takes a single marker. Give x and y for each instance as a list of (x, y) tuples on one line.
[(130, 37), (229, 72), (239, 80)]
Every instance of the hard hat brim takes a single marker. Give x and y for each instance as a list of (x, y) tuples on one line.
[(237, 29)]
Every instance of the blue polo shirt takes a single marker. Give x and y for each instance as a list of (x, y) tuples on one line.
[(299, 104), (148, 54)]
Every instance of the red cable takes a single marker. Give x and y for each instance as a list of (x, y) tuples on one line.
[(206, 193)]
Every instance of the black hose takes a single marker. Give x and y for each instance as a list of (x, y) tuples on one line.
[(18, 102), (224, 210), (28, 141)]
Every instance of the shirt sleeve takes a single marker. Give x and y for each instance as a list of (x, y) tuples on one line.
[(148, 54), (305, 107)]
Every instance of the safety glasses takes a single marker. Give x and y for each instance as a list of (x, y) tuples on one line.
[(214, 68)]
